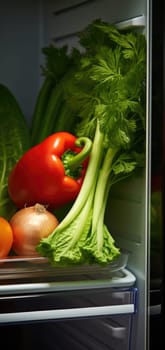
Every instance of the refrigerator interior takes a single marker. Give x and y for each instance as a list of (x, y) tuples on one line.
[(28, 26)]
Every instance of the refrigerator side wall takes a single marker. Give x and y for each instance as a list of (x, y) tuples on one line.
[(21, 41)]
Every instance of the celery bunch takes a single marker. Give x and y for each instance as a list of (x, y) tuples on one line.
[(108, 95)]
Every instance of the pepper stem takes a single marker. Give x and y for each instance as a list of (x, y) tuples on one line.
[(77, 160), (72, 160)]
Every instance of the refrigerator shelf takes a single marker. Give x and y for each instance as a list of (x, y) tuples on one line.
[(121, 279), (135, 22), (38, 268)]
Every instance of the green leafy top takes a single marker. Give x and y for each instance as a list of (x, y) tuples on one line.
[(58, 61), (110, 84)]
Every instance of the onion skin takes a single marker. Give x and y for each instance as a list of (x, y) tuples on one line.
[(29, 226)]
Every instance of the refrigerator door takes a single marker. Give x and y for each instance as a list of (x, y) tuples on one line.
[(156, 259)]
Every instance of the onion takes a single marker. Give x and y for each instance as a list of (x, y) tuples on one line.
[(29, 226)]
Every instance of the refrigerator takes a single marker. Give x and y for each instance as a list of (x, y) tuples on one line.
[(89, 307)]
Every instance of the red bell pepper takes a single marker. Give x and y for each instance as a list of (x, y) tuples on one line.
[(50, 173)]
